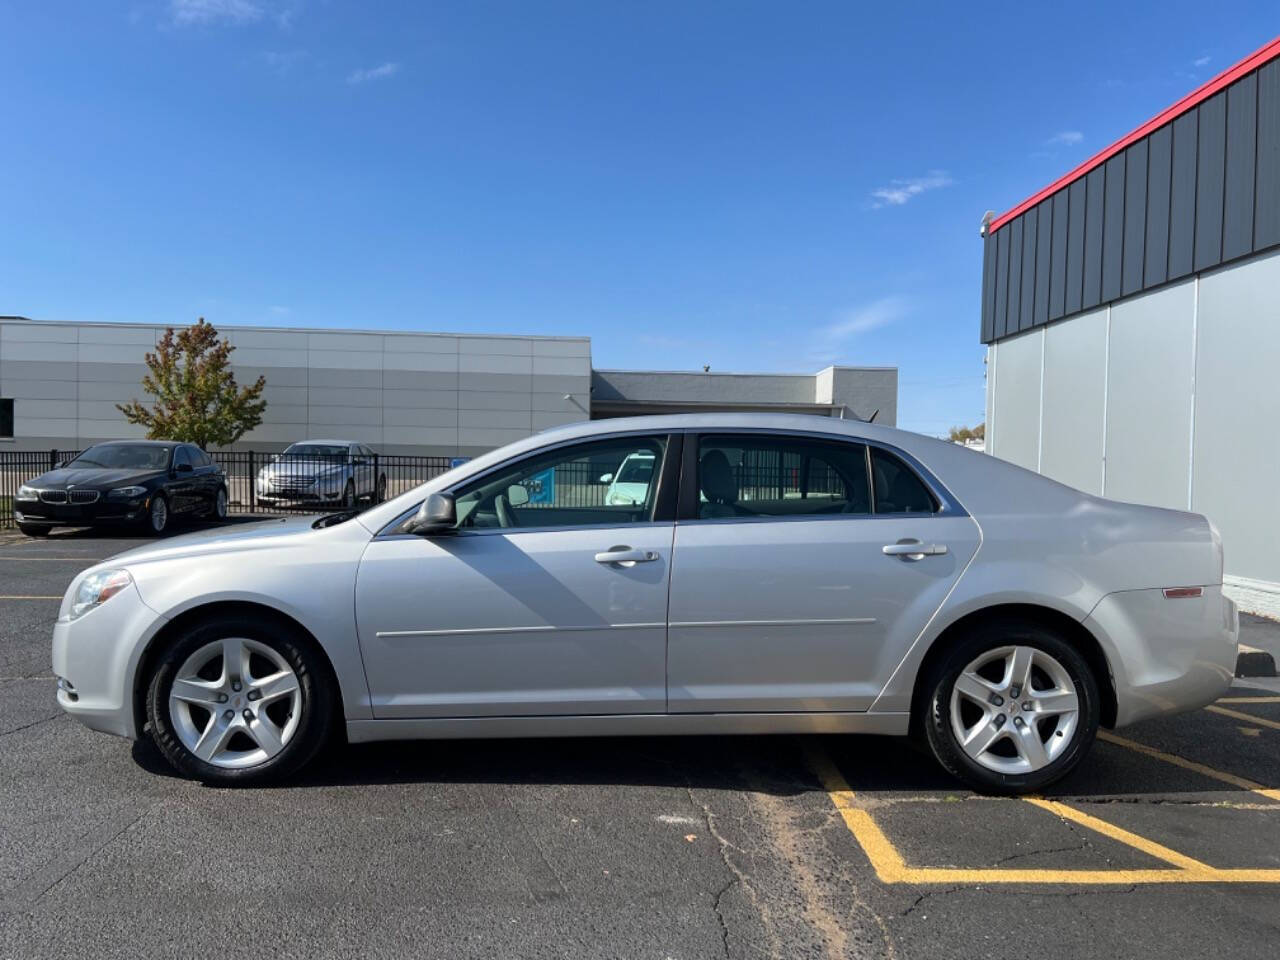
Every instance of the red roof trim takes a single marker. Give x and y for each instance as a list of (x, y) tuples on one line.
[(1229, 76)]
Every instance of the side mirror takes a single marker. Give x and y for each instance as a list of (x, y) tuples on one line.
[(184, 468), (60, 464), (438, 514), (517, 495), (606, 477)]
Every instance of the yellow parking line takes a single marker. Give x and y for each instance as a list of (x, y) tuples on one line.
[(1248, 718), (890, 867), (1241, 782), (1149, 847)]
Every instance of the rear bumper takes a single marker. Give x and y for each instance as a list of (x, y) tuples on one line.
[(1166, 656)]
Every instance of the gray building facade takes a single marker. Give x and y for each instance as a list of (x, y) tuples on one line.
[(1132, 316), (398, 392)]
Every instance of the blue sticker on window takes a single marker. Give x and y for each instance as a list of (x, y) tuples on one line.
[(542, 486)]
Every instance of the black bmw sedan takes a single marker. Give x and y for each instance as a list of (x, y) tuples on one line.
[(143, 482)]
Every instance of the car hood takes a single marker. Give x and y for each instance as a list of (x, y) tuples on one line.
[(220, 540), (93, 478)]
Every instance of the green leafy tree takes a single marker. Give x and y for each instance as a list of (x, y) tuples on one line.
[(197, 399), (962, 434)]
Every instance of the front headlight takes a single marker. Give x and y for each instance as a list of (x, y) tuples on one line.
[(97, 589), (126, 493), (27, 493)]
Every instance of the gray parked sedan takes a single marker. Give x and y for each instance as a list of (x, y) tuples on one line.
[(778, 574), (337, 472)]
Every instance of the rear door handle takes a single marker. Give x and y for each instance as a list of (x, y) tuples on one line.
[(626, 555), (913, 549)]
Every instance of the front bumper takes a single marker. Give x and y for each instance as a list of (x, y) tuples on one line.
[(39, 513), (1167, 655), (96, 656)]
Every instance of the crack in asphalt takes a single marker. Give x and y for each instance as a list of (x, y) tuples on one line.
[(34, 723)]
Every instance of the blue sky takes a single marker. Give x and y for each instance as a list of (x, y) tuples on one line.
[(757, 186)]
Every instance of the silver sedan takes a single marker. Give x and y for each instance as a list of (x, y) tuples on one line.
[(778, 574)]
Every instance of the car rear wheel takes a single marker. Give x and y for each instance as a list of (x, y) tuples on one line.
[(158, 514), (1011, 708), (239, 700)]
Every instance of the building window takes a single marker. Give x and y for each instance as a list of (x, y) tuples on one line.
[(6, 418)]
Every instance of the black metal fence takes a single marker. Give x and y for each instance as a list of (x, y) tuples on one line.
[(264, 483)]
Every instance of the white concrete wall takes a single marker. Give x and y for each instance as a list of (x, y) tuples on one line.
[(398, 392), (1168, 398)]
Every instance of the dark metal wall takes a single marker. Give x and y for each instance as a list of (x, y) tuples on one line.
[(1191, 195)]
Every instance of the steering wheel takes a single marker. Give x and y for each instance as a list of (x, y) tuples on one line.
[(506, 516)]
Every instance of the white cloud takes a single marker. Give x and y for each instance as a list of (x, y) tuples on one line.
[(282, 61), (863, 319), (373, 73), (187, 12), (1201, 61), (1065, 138), (899, 192)]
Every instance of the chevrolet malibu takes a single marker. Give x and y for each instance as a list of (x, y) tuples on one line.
[(779, 574)]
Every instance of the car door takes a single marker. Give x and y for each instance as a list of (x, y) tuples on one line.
[(206, 480), (182, 484), (544, 601), (792, 588), (363, 469)]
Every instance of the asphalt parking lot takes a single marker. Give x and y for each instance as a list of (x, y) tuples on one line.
[(1166, 841)]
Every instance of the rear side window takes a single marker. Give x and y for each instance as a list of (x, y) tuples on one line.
[(897, 488), (766, 476)]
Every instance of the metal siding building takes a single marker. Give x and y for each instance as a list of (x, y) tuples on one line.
[(1132, 313), (398, 392)]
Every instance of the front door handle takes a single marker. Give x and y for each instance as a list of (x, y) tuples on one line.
[(913, 549), (626, 555)]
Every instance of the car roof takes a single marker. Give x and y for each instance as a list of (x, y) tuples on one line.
[(139, 443), (339, 443)]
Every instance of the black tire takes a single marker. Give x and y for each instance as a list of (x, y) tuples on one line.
[(318, 700), (34, 530), (218, 509), (934, 712), (151, 519), (349, 496), (380, 494)]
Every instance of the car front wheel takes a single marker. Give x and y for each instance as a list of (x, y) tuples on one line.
[(239, 700), (158, 514), (1011, 708)]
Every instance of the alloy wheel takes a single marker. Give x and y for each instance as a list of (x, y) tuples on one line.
[(1014, 709), (235, 703), (220, 505), (159, 514)]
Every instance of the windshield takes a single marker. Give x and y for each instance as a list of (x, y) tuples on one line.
[(124, 456), (318, 451), (636, 470)]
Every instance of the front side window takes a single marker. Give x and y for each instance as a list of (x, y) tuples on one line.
[(606, 482), (766, 476), (181, 456)]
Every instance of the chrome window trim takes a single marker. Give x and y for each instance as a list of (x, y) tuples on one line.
[(949, 506)]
